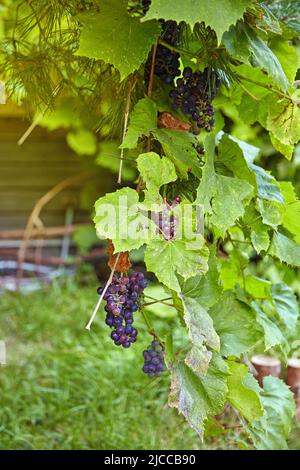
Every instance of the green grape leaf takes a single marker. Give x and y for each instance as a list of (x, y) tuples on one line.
[(205, 289), (230, 272), (231, 155), (178, 146), (235, 324), (272, 334), (217, 191), (258, 231), (198, 359), (155, 171), (167, 259), (196, 11), (258, 288), (198, 396), (286, 150), (268, 187), (285, 249), (119, 218), (287, 55), (284, 120), (250, 151), (115, 37), (82, 141), (243, 398), (291, 216), (143, 120), (199, 324), (271, 212), (286, 304), (243, 43), (287, 12), (271, 431)]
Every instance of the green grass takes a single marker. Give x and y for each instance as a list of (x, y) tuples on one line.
[(66, 388)]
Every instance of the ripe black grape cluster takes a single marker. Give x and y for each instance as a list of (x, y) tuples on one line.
[(154, 363), (165, 220), (194, 98), (166, 61), (123, 298)]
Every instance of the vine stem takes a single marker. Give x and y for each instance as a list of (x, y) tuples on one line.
[(262, 85), (175, 49), (88, 326), (151, 330), (149, 94), (158, 302), (126, 116)]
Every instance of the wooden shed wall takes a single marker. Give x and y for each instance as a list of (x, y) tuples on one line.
[(29, 171)]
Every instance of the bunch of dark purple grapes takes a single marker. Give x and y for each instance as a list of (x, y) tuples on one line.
[(123, 298), (166, 221), (154, 363), (193, 95), (166, 61)]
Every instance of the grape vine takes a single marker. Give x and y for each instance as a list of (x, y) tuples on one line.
[(200, 111)]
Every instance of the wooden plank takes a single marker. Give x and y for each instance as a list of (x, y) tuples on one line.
[(17, 220), (36, 151)]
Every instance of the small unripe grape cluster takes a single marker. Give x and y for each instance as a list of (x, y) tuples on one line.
[(193, 97), (165, 220), (123, 298), (154, 362)]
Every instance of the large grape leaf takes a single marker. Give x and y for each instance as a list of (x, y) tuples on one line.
[(201, 333), (272, 334), (205, 289), (178, 146), (271, 431), (199, 324), (291, 216), (267, 186), (288, 56), (118, 218), (143, 120), (115, 37), (167, 259), (286, 304), (198, 396), (232, 157), (271, 212), (155, 171), (285, 249), (257, 287), (243, 43), (218, 14), (243, 398), (284, 119), (235, 324), (286, 150), (223, 197)]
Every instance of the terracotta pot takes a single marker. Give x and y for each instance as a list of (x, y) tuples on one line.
[(293, 380), (266, 365)]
